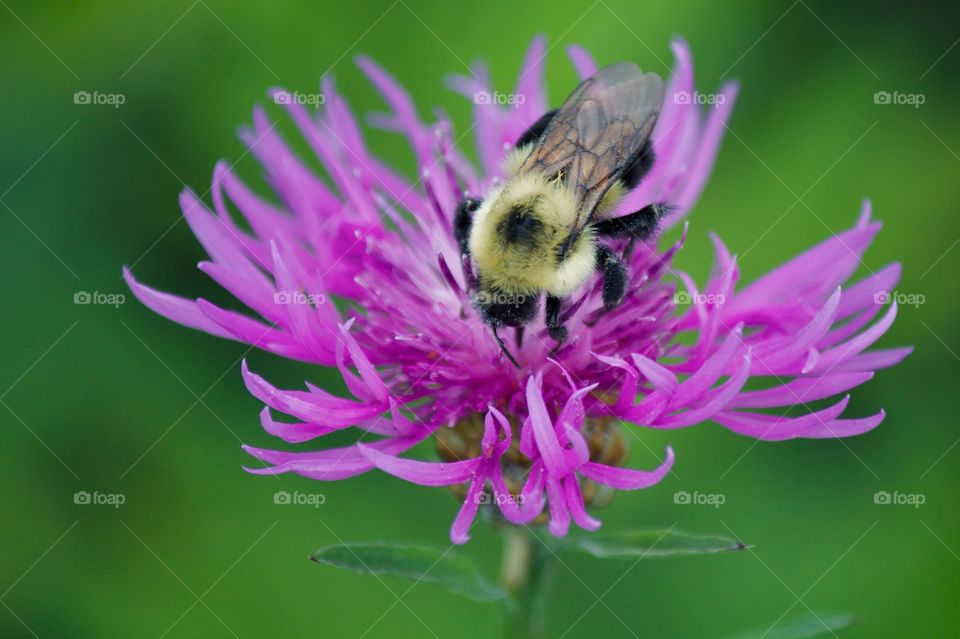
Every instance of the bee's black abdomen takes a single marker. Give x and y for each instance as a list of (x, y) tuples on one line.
[(502, 309), (533, 133), (639, 167)]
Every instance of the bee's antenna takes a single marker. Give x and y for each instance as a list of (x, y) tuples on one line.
[(503, 347), (519, 336)]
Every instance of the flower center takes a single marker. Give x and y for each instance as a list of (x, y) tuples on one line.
[(603, 435)]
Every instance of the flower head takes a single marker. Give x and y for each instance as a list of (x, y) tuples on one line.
[(542, 442)]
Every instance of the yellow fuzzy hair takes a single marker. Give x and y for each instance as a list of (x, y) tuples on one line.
[(527, 270)]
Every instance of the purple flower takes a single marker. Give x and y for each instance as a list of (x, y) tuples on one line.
[(477, 471), (541, 443)]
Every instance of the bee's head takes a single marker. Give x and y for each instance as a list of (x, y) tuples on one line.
[(505, 309)]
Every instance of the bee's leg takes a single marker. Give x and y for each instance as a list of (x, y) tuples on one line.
[(614, 277), (640, 225), (536, 129), (639, 167), (503, 347), (558, 332), (463, 221)]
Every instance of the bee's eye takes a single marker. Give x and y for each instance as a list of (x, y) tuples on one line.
[(520, 226)]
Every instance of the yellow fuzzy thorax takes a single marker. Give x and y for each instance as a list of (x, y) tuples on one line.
[(514, 269), (527, 269)]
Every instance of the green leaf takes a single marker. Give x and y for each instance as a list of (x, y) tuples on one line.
[(455, 572), (649, 544), (803, 627)]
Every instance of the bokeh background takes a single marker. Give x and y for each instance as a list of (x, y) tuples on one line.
[(120, 401)]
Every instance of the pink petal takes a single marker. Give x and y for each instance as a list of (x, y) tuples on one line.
[(716, 400), (582, 61), (801, 390), (331, 464), (459, 531), (543, 431), (578, 511), (177, 309), (858, 344), (559, 513), (292, 433), (627, 478), (420, 472), (776, 428), (316, 407)]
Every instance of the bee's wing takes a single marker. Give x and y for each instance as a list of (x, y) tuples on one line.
[(598, 130)]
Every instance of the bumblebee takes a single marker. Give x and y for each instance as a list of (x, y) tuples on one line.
[(540, 231)]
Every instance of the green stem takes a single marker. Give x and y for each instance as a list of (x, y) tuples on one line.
[(527, 573)]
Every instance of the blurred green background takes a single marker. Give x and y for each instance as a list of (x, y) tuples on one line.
[(121, 401)]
